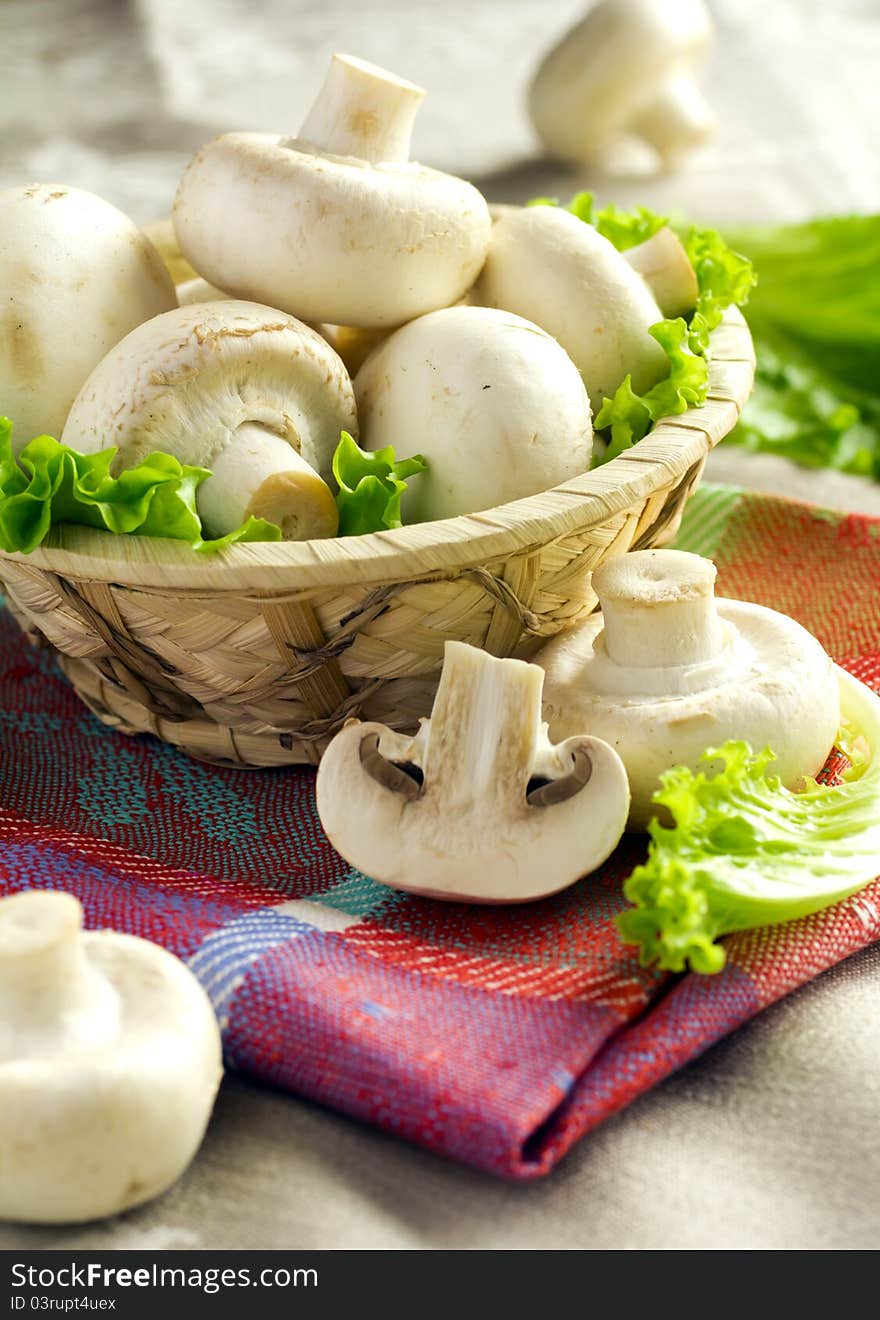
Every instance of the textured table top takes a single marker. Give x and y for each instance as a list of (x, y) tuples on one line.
[(771, 1139)]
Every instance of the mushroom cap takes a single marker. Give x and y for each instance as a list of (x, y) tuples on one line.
[(491, 401), (91, 1128), (77, 276), (185, 381), (609, 67), (498, 848), (329, 238), (548, 266), (772, 683)]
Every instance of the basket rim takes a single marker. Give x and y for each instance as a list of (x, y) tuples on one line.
[(673, 447)]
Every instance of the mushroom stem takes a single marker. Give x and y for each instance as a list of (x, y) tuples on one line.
[(48, 991), (676, 120), (664, 266), (362, 111), (258, 474), (484, 728), (659, 609)]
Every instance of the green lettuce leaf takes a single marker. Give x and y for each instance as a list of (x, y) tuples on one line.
[(51, 483), (625, 229), (815, 320), (370, 486), (724, 278), (746, 852), (629, 416)]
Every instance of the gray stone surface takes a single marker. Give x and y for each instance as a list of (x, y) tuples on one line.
[(770, 1140)]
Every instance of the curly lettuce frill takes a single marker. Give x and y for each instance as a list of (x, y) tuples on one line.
[(50, 483)]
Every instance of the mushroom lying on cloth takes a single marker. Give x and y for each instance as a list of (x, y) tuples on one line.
[(110, 1061), (335, 225), (248, 392), (667, 671), (491, 401), (77, 275), (479, 805), (628, 68), (547, 265)]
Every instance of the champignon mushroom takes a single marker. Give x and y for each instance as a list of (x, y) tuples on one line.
[(547, 265), (478, 806), (627, 68), (336, 225), (490, 400), (666, 269), (246, 391), (110, 1060), (199, 291), (353, 345), (666, 671), (77, 275)]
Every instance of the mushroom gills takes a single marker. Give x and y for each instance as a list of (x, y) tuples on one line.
[(478, 806)]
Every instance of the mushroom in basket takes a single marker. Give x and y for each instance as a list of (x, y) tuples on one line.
[(337, 224), (77, 276), (547, 265), (492, 402), (245, 391)]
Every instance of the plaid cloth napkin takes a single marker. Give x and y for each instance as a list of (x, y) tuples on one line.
[(498, 1036)]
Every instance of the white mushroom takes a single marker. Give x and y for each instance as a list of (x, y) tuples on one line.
[(627, 68), (490, 400), (76, 276), (478, 805), (248, 392), (335, 225), (666, 269), (353, 344), (110, 1061), (667, 671), (199, 291), (549, 266)]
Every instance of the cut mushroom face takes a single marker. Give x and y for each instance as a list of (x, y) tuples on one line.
[(548, 266), (250, 393), (77, 276), (109, 1064), (335, 225), (490, 400), (627, 69), (667, 671), (479, 805)]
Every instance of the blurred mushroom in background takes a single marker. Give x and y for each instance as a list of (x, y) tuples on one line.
[(626, 71)]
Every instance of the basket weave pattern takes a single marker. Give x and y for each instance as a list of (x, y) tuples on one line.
[(258, 658)]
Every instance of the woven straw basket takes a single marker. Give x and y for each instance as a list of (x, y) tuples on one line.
[(256, 657)]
